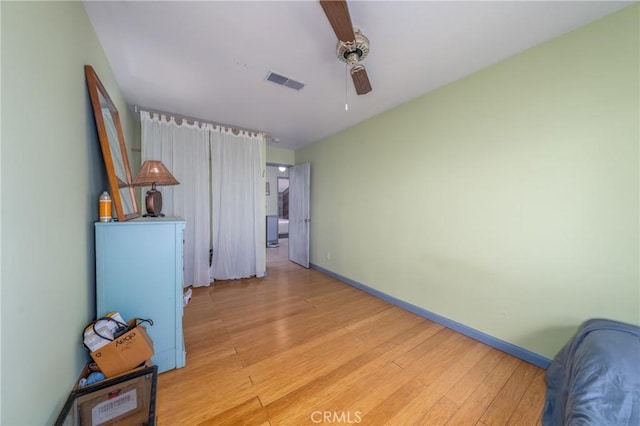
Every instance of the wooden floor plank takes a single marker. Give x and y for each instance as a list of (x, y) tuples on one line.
[(474, 377), (509, 396), (459, 354), (440, 413), (353, 397), (529, 409), (439, 382), (415, 408), (343, 362), (476, 404), (250, 412), (395, 403), (193, 400), (446, 379), (303, 400), (276, 350), (433, 346)]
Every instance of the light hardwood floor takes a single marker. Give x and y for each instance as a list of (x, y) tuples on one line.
[(299, 347)]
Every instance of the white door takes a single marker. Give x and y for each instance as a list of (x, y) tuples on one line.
[(299, 213)]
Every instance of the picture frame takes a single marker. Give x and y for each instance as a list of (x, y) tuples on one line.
[(114, 150)]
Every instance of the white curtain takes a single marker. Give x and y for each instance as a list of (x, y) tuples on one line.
[(220, 195), (184, 149), (237, 181)]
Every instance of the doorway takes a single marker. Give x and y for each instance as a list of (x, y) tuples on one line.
[(277, 201), (283, 205), (289, 204)]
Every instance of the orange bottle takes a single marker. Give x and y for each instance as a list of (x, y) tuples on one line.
[(105, 207)]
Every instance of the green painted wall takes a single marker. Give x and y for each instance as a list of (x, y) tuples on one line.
[(280, 155), (52, 175), (506, 201)]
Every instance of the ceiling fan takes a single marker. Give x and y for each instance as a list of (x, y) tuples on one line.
[(353, 46)]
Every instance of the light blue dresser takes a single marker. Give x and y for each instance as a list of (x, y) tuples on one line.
[(139, 273)]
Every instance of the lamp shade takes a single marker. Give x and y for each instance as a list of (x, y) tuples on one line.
[(153, 173)]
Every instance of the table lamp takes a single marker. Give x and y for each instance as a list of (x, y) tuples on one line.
[(154, 173)]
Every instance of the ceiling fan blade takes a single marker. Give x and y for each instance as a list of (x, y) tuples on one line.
[(360, 80), (337, 13)]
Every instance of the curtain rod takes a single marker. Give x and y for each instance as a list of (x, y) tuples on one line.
[(191, 120)]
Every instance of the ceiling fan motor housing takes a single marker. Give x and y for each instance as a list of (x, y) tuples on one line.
[(353, 52)]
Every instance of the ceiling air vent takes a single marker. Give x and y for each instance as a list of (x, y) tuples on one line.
[(284, 81)]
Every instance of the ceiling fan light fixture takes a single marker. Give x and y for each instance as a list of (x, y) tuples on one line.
[(352, 47), (355, 51), (351, 58)]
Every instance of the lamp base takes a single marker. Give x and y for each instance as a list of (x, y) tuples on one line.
[(153, 203)]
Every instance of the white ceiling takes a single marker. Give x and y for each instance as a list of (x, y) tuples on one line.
[(209, 60)]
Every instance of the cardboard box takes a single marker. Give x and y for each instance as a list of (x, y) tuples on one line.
[(124, 403), (88, 370), (125, 352), (128, 399)]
